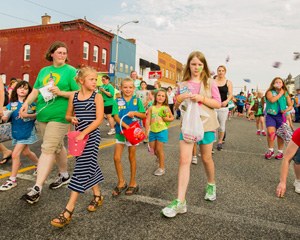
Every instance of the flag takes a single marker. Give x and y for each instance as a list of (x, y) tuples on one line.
[(296, 55), (247, 80), (276, 64)]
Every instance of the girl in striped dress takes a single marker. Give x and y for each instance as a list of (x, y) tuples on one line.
[(85, 111)]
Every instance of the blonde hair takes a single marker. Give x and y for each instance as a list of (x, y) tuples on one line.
[(205, 74), (222, 66), (127, 80), (83, 72)]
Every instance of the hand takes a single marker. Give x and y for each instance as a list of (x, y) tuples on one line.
[(281, 188), (74, 120), (23, 110), (55, 90), (185, 95), (80, 137), (224, 104), (281, 92), (4, 118), (196, 97), (130, 114)]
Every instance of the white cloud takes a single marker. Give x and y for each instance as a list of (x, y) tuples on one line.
[(123, 5)]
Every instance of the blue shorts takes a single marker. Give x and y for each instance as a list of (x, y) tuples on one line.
[(296, 158), (162, 136), (274, 120), (208, 138)]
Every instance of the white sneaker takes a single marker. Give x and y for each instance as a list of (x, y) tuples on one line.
[(175, 207), (111, 132), (211, 194), (9, 184), (194, 160), (297, 185), (107, 124), (159, 172)]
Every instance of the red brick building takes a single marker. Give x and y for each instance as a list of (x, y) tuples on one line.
[(22, 50)]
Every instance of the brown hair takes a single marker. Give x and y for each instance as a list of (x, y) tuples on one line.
[(54, 46), (14, 95), (165, 103), (205, 74), (272, 88)]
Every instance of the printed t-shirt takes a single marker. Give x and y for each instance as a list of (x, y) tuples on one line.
[(108, 101)]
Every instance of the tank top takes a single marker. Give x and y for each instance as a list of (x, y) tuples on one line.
[(223, 92)]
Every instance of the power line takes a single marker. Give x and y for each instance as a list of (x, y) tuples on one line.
[(37, 4), (23, 19)]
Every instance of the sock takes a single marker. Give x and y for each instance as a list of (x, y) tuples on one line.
[(13, 179), (280, 151), (271, 149), (262, 130), (64, 174), (39, 187), (211, 184)]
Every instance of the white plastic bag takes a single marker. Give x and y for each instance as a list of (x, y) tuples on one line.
[(192, 125)]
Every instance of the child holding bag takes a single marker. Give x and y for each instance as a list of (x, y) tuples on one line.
[(85, 111), (159, 117), (133, 107), (196, 86), (23, 131)]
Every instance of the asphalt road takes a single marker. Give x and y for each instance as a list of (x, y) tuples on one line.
[(246, 205)]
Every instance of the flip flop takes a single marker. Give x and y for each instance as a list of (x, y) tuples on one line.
[(118, 190), (132, 190), (5, 160)]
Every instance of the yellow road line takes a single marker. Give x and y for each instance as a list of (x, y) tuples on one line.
[(108, 144)]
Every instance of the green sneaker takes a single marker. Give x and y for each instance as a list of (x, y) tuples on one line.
[(175, 207), (211, 194)]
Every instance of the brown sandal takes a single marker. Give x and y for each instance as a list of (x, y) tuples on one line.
[(63, 221), (94, 204), (132, 190), (118, 190)]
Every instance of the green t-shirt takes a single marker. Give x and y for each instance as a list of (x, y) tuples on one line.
[(108, 101), (157, 124), (55, 109)]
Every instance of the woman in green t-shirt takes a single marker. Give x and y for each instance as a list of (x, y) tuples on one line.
[(56, 82)]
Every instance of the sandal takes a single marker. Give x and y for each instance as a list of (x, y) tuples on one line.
[(94, 204), (118, 190), (5, 160), (62, 220), (132, 190)]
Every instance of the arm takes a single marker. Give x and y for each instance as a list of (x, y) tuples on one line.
[(107, 93), (140, 115), (1, 96), (289, 154), (229, 96), (30, 99), (70, 112), (99, 118), (148, 120), (272, 98), (169, 117), (289, 103)]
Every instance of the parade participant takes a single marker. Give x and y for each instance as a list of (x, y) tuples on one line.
[(5, 151), (11, 87), (278, 102), (108, 91), (198, 87), (23, 131), (257, 106), (225, 89), (133, 107), (143, 94), (292, 152), (137, 81), (57, 78), (240, 103), (158, 118), (85, 111), (171, 96)]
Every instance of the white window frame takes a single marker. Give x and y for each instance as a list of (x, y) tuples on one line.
[(26, 77), (104, 56), (126, 68), (86, 47), (96, 54), (27, 52), (121, 67)]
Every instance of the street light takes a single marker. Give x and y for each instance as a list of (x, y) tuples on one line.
[(117, 48)]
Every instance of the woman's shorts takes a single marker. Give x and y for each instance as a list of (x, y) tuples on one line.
[(209, 137), (274, 120), (161, 136), (240, 109)]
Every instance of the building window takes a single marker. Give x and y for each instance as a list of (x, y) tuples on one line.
[(104, 55), (86, 47), (126, 68), (167, 73), (3, 76), (95, 54), (26, 77), (27, 52), (131, 68), (163, 72), (121, 69)]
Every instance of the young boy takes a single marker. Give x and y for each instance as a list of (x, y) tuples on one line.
[(292, 152), (132, 106)]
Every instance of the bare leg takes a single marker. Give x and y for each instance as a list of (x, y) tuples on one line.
[(16, 159), (208, 163), (132, 160), (118, 165)]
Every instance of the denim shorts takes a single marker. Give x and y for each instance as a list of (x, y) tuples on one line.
[(296, 158), (208, 138), (159, 136), (274, 120)]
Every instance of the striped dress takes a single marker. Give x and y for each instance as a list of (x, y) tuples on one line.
[(87, 172)]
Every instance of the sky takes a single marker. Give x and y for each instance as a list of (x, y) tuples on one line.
[(253, 34)]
